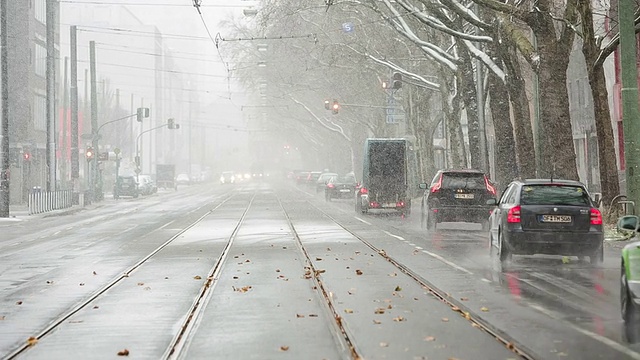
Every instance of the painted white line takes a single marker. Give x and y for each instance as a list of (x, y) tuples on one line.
[(418, 247), (366, 222), (167, 224), (619, 347), (394, 236), (486, 280), (57, 232), (453, 265)]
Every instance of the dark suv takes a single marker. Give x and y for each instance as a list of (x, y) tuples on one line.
[(457, 196)]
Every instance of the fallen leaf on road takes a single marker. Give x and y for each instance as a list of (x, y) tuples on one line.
[(313, 315), (358, 272), (357, 252), (318, 272), (140, 283), (235, 257), (510, 346), (49, 282), (243, 289), (247, 260), (485, 309), (464, 298), (19, 302), (389, 306), (416, 252), (382, 252), (445, 319), (197, 277), (466, 315), (2, 317), (81, 284), (124, 352), (348, 311), (235, 278), (455, 308), (398, 288), (32, 341), (95, 273), (384, 344), (399, 319), (430, 338), (277, 270), (377, 322), (166, 278), (393, 274), (96, 307), (565, 260), (380, 311), (318, 259), (328, 249), (284, 348), (299, 315)]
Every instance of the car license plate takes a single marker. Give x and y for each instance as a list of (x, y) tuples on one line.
[(464, 196), (345, 190), (556, 218)]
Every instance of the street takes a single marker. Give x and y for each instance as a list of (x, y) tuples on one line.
[(265, 270)]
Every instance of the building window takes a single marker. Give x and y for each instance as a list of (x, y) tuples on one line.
[(41, 60), (40, 12), (40, 112)]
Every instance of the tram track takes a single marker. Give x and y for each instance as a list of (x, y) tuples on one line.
[(58, 321)]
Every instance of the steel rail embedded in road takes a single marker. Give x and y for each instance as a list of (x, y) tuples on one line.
[(178, 343), (464, 311), (342, 333), (57, 322)]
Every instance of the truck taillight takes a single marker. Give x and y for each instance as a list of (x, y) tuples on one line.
[(596, 217), (513, 216)]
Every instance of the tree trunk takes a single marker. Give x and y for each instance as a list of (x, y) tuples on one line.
[(525, 149), (505, 151), (470, 100), (557, 152), (609, 181)]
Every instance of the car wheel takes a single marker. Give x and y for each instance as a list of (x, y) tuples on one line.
[(505, 253), (597, 257), (630, 313)]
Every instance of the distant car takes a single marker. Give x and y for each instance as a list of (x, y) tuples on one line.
[(321, 182), (340, 187), (182, 179), (457, 196), (552, 217), (301, 177), (125, 186), (227, 177), (312, 177), (630, 279), (146, 185)]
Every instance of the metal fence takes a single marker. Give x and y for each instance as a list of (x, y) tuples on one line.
[(43, 201)]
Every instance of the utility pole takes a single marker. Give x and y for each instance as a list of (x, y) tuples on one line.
[(65, 116), (94, 119), (630, 113), (73, 103), (4, 105), (51, 94)]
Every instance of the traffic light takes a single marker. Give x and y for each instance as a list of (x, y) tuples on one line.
[(142, 113), (171, 123), (335, 108), (89, 153), (327, 105), (397, 80)]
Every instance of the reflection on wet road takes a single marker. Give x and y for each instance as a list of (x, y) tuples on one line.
[(559, 289)]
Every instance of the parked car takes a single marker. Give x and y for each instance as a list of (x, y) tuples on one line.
[(553, 217), (182, 179), (312, 177), (340, 187), (227, 177), (457, 196), (630, 279), (146, 185), (321, 182), (125, 186)]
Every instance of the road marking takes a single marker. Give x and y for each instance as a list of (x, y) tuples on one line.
[(418, 247), (357, 218), (486, 280), (167, 224), (395, 236), (57, 232), (619, 347), (453, 265)]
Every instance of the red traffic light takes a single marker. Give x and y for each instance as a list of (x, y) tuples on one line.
[(89, 153), (335, 107)]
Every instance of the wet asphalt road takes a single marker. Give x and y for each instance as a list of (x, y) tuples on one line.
[(262, 303)]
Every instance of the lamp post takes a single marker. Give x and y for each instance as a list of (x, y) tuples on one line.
[(170, 124)]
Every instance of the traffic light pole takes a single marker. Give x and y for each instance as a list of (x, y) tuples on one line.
[(630, 113), (94, 119), (138, 164), (4, 102)]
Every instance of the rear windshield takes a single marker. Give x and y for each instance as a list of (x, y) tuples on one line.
[(463, 181), (347, 179), (554, 195)]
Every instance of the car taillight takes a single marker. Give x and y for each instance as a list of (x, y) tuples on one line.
[(596, 217), (364, 191), (513, 216), (437, 185), (400, 204), (490, 187), (330, 186)]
